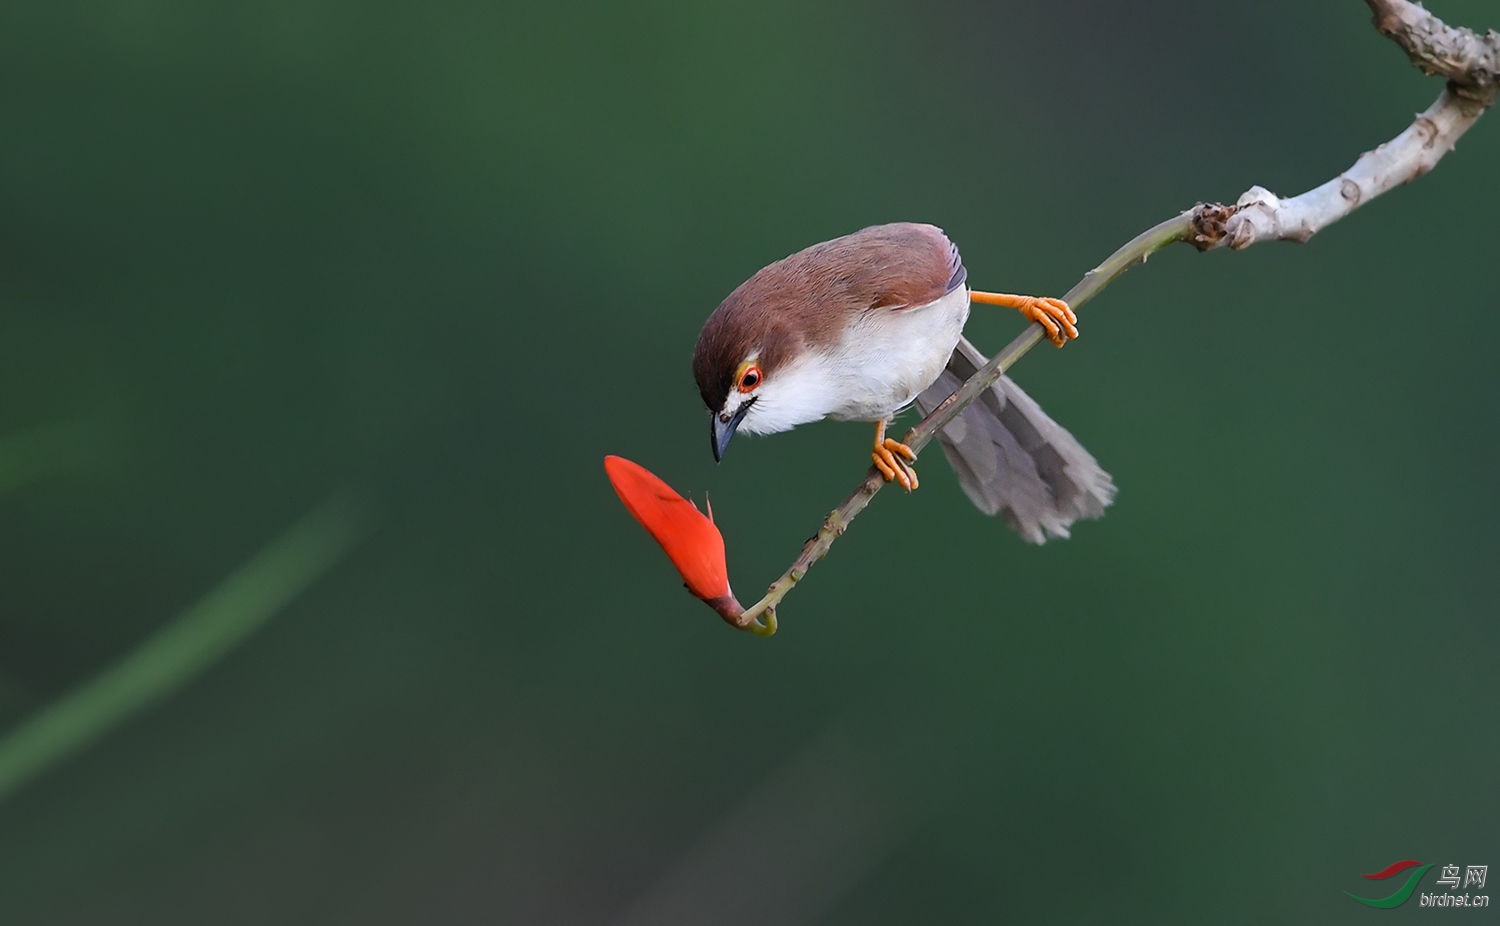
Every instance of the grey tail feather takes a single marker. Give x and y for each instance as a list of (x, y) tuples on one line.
[(1014, 461)]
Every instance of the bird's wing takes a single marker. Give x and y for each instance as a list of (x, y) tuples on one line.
[(1012, 460), (898, 266), (957, 275)]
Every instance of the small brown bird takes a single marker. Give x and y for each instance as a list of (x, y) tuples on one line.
[(863, 326)]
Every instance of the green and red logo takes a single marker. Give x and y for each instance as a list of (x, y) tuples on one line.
[(1400, 897), (1448, 879)]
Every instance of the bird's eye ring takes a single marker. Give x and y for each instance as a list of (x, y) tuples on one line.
[(750, 378)]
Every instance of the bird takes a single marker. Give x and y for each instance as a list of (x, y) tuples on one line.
[(865, 326)]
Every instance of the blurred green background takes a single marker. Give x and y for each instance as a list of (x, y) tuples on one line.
[(453, 254)]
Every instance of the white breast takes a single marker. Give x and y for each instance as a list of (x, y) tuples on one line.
[(883, 362), (890, 356)]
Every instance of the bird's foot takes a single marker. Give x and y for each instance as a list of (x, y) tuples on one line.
[(894, 460), (1054, 315)]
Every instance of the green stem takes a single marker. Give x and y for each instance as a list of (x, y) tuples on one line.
[(184, 648)]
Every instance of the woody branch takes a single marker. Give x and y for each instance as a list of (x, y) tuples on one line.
[(1471, 65)]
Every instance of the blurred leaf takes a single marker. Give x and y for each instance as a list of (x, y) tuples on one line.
[(185, 648)]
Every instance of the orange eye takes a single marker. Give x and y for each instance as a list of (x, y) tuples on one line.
[(750, 379)]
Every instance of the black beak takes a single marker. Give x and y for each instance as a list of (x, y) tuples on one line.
[(722, 429)]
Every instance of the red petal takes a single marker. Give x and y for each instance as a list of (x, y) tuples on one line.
[(690, 539)]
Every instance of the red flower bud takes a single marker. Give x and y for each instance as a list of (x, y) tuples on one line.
[(689, 538)]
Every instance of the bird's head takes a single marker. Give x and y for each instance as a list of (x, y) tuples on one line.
[(756, 371), (731, 400)]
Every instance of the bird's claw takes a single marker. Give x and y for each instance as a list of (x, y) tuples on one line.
[(1055, 315), (894, 460)]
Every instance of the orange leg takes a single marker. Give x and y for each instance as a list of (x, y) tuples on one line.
[(1052, 314), (894, 459)]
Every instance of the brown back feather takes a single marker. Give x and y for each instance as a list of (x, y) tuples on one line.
[(808, 299)]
